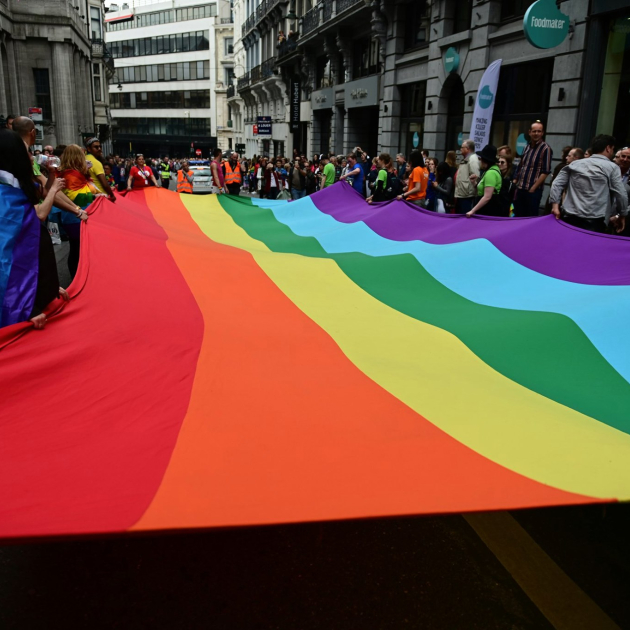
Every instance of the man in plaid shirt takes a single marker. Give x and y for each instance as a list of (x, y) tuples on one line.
[(532, 172)]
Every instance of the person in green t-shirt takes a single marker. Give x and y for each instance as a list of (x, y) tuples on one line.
[(489, 187), (328, 177)]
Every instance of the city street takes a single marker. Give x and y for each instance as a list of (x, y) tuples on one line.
[(559, 567), (378, 390)]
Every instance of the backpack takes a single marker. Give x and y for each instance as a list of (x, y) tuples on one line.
[(394, 186)]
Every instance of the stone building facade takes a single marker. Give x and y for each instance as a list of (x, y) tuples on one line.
[(372, 72), (47, 60)]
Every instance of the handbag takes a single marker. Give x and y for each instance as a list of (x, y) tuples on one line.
[(284, 194)]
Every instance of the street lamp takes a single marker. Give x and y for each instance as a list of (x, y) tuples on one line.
[(291, 14)]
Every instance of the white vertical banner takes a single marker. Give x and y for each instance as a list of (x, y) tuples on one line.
[(484, 107)]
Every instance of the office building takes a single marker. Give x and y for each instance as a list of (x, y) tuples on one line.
[(172, 68)]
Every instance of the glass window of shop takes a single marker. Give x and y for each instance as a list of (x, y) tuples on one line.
[(416, 22), (412, 116), (614, 102), (522, 97), (365, 58), (323, 72)]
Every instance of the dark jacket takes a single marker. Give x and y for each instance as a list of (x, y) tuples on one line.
[(279, 180), (302, 178)]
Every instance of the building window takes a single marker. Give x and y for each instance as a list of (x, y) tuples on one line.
[(323, 72), (462, 16), (511, 9), (95, 23), (614, 102), (42, 91), (163, 72), (229, 76), (517, 105), (416, 20), (163, 126), (365, 58), (164, 17), (194, 99), (229, 46), (160, 45), (97, 82), (412, 97)]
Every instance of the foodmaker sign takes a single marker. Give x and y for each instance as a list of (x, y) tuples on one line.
[(545, 25)]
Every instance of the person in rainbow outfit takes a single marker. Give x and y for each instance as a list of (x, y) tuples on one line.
[(81, 190)]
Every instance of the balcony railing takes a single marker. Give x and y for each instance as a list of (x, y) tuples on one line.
[(310, 21), (328, 9), (267, 68), (342, 5), (287, 47), (258, 15), (98, 48), (231, 91), (255, 75), (243, 82), (229, 20)]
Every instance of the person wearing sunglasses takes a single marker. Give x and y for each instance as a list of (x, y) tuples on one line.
[(96, 170)]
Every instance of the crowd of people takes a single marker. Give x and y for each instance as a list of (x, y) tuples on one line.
[(590, 188)]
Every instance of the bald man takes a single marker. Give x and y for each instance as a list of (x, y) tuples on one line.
[(25, 128)]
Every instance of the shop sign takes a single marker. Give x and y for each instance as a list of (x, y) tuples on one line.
[(35, 114), (451, 60), (484, 107), (416, 140), (545, 25), (296, 92), (263, 125), (362, 93), (460, 139), (322, 99), (521, 143)]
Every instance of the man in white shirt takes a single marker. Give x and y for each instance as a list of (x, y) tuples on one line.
[(594, 187)]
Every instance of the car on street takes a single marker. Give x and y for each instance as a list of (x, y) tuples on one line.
[(202, 178)]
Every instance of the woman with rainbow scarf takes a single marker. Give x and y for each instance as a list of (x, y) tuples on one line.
[(80, 190)]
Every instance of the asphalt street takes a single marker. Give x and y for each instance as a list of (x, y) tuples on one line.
[(425, 572)]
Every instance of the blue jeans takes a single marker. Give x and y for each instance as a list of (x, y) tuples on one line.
[(527, 204), (297, 193)]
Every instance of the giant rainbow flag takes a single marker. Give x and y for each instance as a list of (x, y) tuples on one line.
[(227, 361)]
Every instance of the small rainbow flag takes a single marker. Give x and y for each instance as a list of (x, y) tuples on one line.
[(227, 361)]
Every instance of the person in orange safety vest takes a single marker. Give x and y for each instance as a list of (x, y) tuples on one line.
[(185, 179), (233, 175)]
